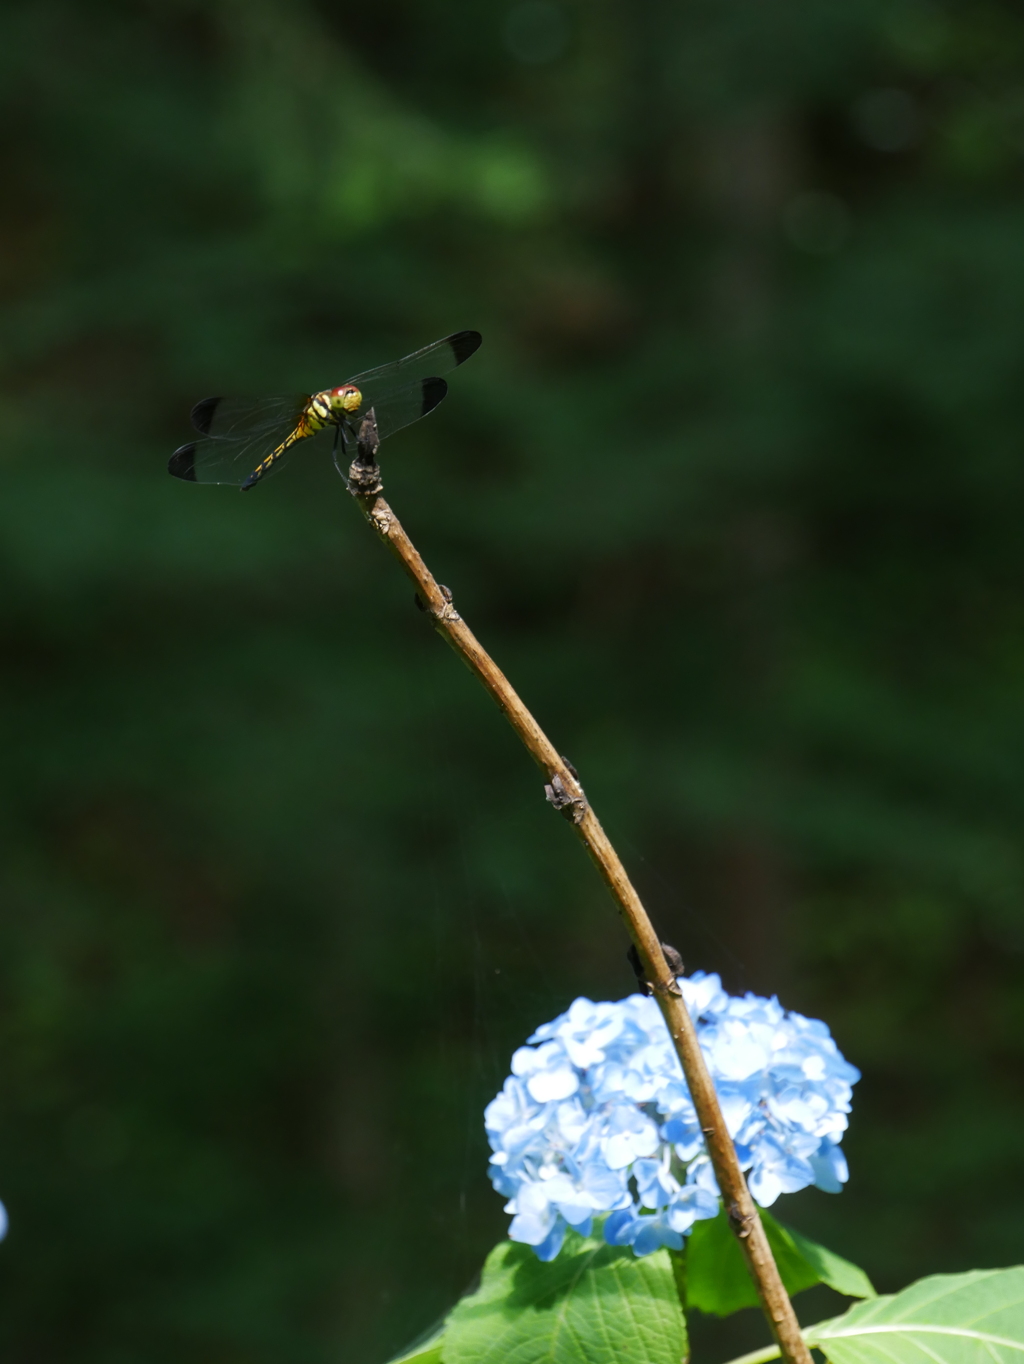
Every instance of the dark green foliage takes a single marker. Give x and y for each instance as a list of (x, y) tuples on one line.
[(734, 491), (713, 1275)]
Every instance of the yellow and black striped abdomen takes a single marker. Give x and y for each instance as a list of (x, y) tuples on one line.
[(316, 415)]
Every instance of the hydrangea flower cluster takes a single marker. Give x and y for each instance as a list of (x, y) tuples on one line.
[(596, 1116)]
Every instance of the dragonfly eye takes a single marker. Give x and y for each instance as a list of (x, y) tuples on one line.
[(347, 398)]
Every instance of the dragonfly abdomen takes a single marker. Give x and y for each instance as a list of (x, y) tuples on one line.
[(309, 424), (323, 409)]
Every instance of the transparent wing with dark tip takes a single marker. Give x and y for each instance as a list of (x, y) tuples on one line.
[(237, 433), (401, 408), (407, 389), (441, 357), (239, 419)]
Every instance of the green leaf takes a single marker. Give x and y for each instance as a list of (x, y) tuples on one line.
[(842, 1275), (717, 1279), (594, 1304), (974, 1318), (426, 1352)]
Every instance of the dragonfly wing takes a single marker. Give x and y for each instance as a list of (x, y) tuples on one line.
[(237, 419), (401, 408), (237, 434), (398, 407), (439, 358), (405, 390), (212, 461)]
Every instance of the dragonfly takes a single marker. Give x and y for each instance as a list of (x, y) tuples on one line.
[(242, 439)]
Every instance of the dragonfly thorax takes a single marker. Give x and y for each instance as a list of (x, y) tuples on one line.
[(328, 407)]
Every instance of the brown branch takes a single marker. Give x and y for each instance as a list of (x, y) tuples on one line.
[(564, 791)]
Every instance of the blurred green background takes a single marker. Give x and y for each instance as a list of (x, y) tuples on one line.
[(734, 491)]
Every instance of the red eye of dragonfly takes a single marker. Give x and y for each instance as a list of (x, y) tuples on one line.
[(242, 439), (347, 398)]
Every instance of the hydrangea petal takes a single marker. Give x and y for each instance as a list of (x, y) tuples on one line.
[(597, 1104)]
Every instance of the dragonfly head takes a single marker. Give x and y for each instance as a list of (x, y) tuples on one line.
[(347, 398)]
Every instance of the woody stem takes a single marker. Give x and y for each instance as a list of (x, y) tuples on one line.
[(566, 794)]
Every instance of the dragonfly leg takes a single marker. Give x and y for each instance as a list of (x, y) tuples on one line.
[(341, 454)]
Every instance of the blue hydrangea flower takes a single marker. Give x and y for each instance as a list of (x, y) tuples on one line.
[(596, 1117)]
